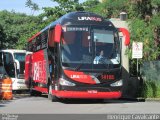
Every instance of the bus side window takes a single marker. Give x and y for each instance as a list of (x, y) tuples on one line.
[(51, 38)]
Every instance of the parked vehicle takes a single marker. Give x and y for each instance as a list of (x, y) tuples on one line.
[(14, 65), (62, 63)]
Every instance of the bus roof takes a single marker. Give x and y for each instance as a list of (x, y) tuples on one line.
[(13, 51), (77, 18)]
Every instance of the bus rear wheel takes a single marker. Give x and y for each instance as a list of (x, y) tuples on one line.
[(31, 89), (35, 93)]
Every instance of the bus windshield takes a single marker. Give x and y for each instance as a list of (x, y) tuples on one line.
[(91, 48), (20, 56)]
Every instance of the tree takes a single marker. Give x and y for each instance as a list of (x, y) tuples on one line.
[(64, 6), (16, 28), (108, 8), (34, 7), (2, 37), (145, 26), (91, 5)]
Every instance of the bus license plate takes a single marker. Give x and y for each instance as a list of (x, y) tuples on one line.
[(92, 91)]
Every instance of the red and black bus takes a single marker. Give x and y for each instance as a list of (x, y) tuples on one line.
[(63, 61)]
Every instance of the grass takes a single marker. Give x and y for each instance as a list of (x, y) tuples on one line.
[(150, 89)]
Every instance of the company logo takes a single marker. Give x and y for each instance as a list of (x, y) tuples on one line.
[(90, 19), (78, 76), (39, 71)]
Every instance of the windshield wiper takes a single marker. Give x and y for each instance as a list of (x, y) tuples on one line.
[(78, 67)]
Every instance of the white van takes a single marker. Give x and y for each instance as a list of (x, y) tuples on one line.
[(14, 64)]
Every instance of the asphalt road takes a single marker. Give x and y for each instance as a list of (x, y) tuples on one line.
[(25, 104)]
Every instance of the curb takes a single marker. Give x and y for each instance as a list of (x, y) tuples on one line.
[(153, 99), (134, 99), (142, 99)]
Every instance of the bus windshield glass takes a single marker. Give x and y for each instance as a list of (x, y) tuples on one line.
[(90, 48), (20, 56)]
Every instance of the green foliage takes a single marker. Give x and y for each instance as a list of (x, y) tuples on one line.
[(143, 32), (113, 8), (91, 5), (150, 73), (16, 28), (144, 27), (155, 3), (64, 6), (32, 5), (2, 35), (108, 8), (150, 89)]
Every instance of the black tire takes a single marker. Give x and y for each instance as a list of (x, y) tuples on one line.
[(35, 93), (32, 92)]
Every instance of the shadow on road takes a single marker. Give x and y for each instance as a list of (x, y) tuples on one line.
[(99, 101), (16, 96), (72, 101), (3, 103), (20, 96)]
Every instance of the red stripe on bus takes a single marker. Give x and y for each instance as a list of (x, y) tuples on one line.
[(87, 95), (40, 89), (30, 39), (80, 77)]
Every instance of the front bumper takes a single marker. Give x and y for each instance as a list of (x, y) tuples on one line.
[(18, 84), (87, 94)]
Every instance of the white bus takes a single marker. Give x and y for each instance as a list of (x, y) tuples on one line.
[(14, 64)]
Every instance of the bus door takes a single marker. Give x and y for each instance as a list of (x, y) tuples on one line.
[(53, 57)]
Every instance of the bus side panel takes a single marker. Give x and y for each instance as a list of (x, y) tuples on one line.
[(40, 66), (28, 68)]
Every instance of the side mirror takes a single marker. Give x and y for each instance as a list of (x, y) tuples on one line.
[(58, 32), (126, 34)]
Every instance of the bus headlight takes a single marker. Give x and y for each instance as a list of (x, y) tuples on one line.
[(117, 83), (65, 82)]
